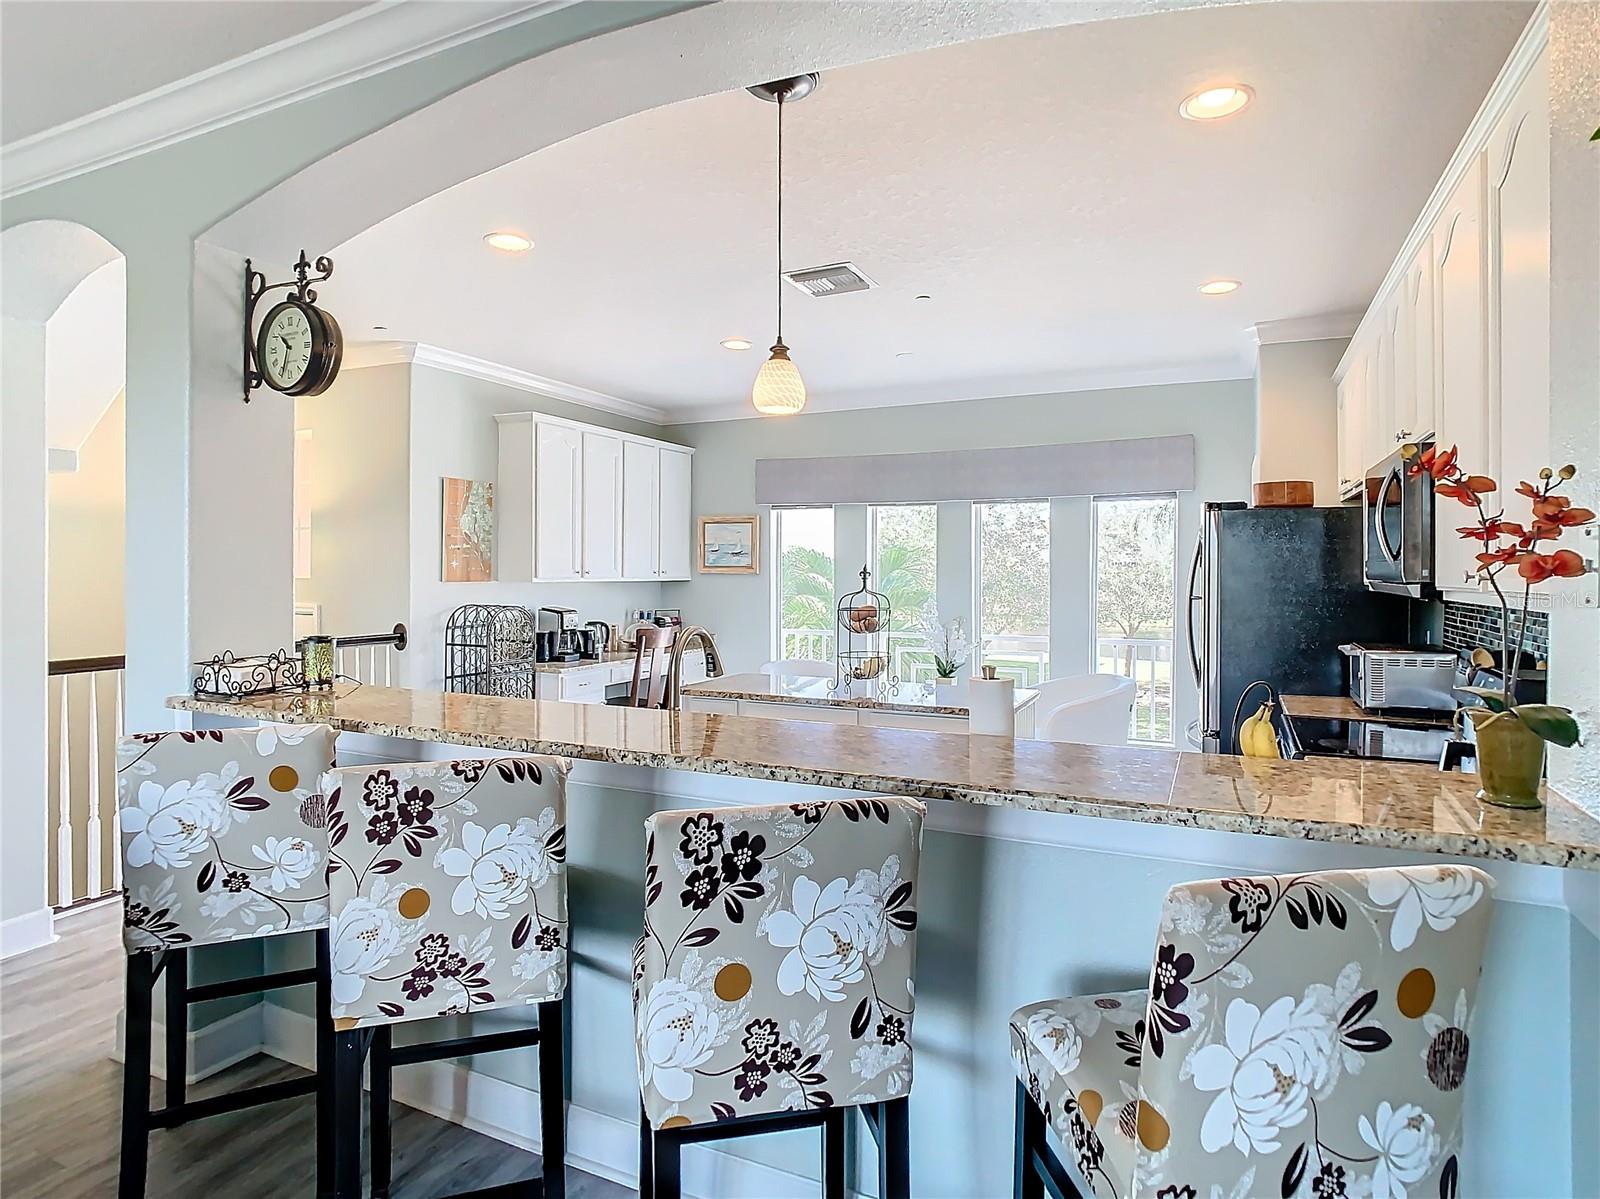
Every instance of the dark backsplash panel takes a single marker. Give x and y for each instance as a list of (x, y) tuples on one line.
[(1469, 625)]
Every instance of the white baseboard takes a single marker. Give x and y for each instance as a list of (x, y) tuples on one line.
[(212, 1048), (29, 931), (596, 1143)]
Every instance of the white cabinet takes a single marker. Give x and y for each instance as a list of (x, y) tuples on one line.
[(641, 512), (1518, 163), (675, 517), (1415, 410), (1459, 320), (578, 501), (1456, 347), (602, 506), (557, 500)]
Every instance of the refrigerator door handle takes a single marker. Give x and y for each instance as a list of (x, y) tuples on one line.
[(1195, 598)]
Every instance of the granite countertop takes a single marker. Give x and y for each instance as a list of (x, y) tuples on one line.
[(1342, 707), (1388, 804), (916, 698)]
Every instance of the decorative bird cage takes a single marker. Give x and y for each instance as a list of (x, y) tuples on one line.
[(862, 664), (489, 650)]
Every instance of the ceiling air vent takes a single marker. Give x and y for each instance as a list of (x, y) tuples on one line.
[(833, 280)]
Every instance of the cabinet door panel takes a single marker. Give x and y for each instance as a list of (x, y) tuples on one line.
[(602, 506), (641, 497), (1459, 321), (675, 518), (1417, 289), (558, 500), (1519, 275)]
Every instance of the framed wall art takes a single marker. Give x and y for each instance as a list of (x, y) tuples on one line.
[(730, 545)]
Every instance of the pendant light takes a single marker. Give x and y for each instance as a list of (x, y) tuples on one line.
[(779, 390)]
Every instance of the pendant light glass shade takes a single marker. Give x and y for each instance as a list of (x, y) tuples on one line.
[(779, 390)]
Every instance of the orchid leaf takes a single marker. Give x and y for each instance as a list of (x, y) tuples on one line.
[(1492, 699), (1554, 724)]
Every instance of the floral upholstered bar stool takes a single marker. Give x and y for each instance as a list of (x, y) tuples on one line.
[(449, 895), (223, 836), (773, 984), (1302, 1035)]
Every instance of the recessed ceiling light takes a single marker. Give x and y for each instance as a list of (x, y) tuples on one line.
[(905, 353), (1218, 287), (924, 297), (507, 242), (736, 343), (380, 328), (1215, 102)]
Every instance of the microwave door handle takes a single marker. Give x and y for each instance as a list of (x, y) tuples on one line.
[(1195, 598), (1378, 529)]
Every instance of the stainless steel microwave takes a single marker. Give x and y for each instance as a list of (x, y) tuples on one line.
[(1397, 511)]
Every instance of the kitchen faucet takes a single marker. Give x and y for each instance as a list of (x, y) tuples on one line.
[(674, 697)]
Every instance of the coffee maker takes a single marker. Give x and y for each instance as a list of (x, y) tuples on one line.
[(556, 640)]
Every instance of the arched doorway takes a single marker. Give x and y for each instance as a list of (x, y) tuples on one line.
[(63, 352)]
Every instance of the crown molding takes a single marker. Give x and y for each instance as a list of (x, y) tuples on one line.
[(367, 354), (1328, 327), (1218, 370), (355, 46)]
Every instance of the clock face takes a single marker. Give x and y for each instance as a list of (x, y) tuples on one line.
[(286, 346)]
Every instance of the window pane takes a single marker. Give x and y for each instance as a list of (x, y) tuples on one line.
[(1135, 603), (805, 583), (1014, 589), (905, 540)]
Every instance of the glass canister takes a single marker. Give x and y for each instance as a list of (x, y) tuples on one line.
[(316, 660)]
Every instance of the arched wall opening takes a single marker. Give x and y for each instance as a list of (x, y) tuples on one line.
[(63, 329)]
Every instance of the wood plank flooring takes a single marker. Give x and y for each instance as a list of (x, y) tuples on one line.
[(60, 1102)]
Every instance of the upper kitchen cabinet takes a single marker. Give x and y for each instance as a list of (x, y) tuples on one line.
[(1518, 164), (1456, 346), (641, 510), (675, 554), (602, 506), (580, 502)]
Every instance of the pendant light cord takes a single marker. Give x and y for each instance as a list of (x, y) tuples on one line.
[(780, 217)]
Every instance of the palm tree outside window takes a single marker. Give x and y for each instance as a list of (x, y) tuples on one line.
[(905, 567), (805, 583)]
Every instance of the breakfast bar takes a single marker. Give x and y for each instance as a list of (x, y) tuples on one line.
[(1044, 868)]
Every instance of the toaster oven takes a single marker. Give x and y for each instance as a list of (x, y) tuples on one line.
[(1397, 676)]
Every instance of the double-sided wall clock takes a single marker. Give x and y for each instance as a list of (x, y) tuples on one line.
[(297, 348)]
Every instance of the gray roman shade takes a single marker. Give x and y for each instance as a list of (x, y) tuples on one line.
[(1137, 466)]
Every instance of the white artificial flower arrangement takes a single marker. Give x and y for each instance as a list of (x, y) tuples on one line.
[(946, 639)]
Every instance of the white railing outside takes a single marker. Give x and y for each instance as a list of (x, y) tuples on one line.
[(816, 644), (86, 720), (374, 665), (1148, 662)]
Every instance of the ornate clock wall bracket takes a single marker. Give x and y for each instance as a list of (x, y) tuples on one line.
[(256, 286)]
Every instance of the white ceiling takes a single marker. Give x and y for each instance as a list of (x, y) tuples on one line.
[(61, 61), (1041, 187)]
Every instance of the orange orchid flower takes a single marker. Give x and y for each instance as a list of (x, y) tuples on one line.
[(1549, 505), (1457, 491), (1479, 483), (1564, 564), (1528, 489)]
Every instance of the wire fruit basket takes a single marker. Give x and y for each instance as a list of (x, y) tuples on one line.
[(862, 666)]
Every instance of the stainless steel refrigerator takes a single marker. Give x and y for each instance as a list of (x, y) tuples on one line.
[(1273, 593)]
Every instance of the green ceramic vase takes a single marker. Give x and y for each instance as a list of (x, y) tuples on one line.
[(1510, 759)]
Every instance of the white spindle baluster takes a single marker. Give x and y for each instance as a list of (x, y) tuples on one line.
[(116, 857), (371, 674), (92, 848), (64, 804), (388, 663)]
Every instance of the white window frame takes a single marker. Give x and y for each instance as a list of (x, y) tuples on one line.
[(775, 594), (1094, 596)]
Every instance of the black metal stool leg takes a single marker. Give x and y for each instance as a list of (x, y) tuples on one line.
[(380, 1074), (894, 1156), (349, 1048), (177, 976), (833, 1127), (325, 1090), (667, 1162), (647, 1156), (553, 1097), (136, 1077), (1026, 1183)]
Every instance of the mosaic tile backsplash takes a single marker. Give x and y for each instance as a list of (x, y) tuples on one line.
[(1470, 625)]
